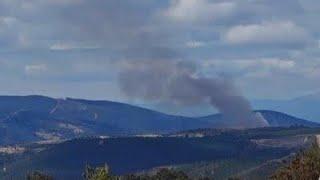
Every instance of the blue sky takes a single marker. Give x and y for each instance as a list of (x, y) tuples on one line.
[(76, 48)]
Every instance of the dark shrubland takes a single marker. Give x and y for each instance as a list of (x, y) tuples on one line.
[(38, 176), (305, 166), (103, 173)]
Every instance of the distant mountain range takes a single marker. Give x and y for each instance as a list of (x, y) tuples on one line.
[(25, 119), (274, 119), (305, 106)]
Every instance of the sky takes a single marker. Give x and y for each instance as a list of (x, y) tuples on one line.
[(77, 48)]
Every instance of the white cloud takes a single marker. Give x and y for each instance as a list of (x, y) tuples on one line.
[(195, 44), (259, 67), (278, 63), (199, 10), (285, 32), (32, 4), (11, 33), (7, 20), (63, 2), (61, 47), (64, 46), (245, 63), (35, 68)]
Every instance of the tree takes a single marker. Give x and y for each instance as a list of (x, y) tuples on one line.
[(103, 173), (165, 174), (305, 165), (38, 176), (99, 173)]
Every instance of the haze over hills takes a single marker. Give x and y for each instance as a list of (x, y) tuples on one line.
[(305, 106), (26, 119)]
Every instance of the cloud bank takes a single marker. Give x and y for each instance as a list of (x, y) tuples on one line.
[(274, 33), (266, 46)]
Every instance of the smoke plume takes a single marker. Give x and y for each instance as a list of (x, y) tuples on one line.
[(179, 83), (140, 33)]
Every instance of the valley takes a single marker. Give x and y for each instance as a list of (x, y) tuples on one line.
[(217, 154), (60, 137)]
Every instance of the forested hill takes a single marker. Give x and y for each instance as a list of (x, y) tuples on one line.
[(26, 119)]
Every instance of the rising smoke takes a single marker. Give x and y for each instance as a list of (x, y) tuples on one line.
[(140, 33), (179, 83)]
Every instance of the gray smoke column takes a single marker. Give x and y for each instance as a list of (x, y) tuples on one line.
[(179, 83)]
